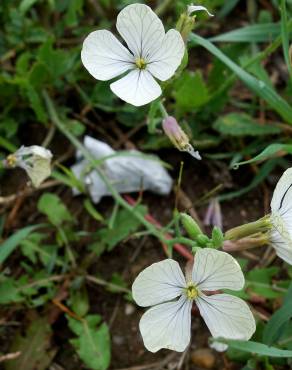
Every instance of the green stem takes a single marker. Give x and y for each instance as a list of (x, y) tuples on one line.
[(87, 155), (163, 110)]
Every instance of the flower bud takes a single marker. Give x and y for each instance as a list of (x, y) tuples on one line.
[(202, 239), (217, 237), (186, 21), (190, 225), (178, 137)]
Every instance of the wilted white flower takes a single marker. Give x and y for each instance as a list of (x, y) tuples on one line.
[(153, 53), (168, 325), (35, 160), (128, 171), (281, 217), (195, 8)]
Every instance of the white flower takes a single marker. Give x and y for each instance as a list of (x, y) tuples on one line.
[(35, 160), (281, 217), (195, 8), (153, 53), (168, 325)]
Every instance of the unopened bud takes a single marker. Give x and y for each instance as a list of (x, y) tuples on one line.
[(190, 225), (217, 237), (202, 240), (178, 137)]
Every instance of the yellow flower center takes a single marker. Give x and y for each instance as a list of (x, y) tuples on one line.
[(140, 63), (11, 160), (191, 291)]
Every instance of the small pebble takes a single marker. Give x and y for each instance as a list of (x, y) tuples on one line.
[(118, 340), (204, 358), (129, 309)]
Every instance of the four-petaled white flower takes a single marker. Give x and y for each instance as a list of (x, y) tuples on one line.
[(281, 217), (168, 325), (153, 53), (35, 160)]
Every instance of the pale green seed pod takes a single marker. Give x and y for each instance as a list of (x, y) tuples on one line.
[(190, 225)]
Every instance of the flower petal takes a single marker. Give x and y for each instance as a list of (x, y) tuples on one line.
[(216, 270), (167, 56), (104, 56), (160, 282), (140, 28), (281, 236), (195, 8), (226, 316), (137, 88), (167, 325), (282, 197)]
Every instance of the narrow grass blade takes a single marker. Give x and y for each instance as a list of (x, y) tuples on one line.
[(260, 88)]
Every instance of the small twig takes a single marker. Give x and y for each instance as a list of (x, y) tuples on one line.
[(49, 137), (10, 356), (102, 282), (28, 191)]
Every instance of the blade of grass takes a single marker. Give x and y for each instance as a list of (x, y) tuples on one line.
[(10, 244), (285, 36), (260, 88), (253, 33)]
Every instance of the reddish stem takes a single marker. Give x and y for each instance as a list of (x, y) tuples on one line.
[(181, 249)]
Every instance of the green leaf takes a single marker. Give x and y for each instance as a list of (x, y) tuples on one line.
[(285, 36), (274, 327), (124, 224), (256, 348), (260, 88), (269, 152), (35, 348), (93, 342), (190, 91), (10, 244), (264, 171), (79, 301), (260, 282), (265, 32), (56, 211), (241, 124), (25, 5), (73, 12), (9, 291)]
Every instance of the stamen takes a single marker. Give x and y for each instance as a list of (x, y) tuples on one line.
[(11, 160), (191, 291), (140, 63)]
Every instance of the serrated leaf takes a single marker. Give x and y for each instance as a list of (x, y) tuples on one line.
[(190, 91), (241, 124), (93, 342), (35, 347), (56, 211), (9, 291)]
